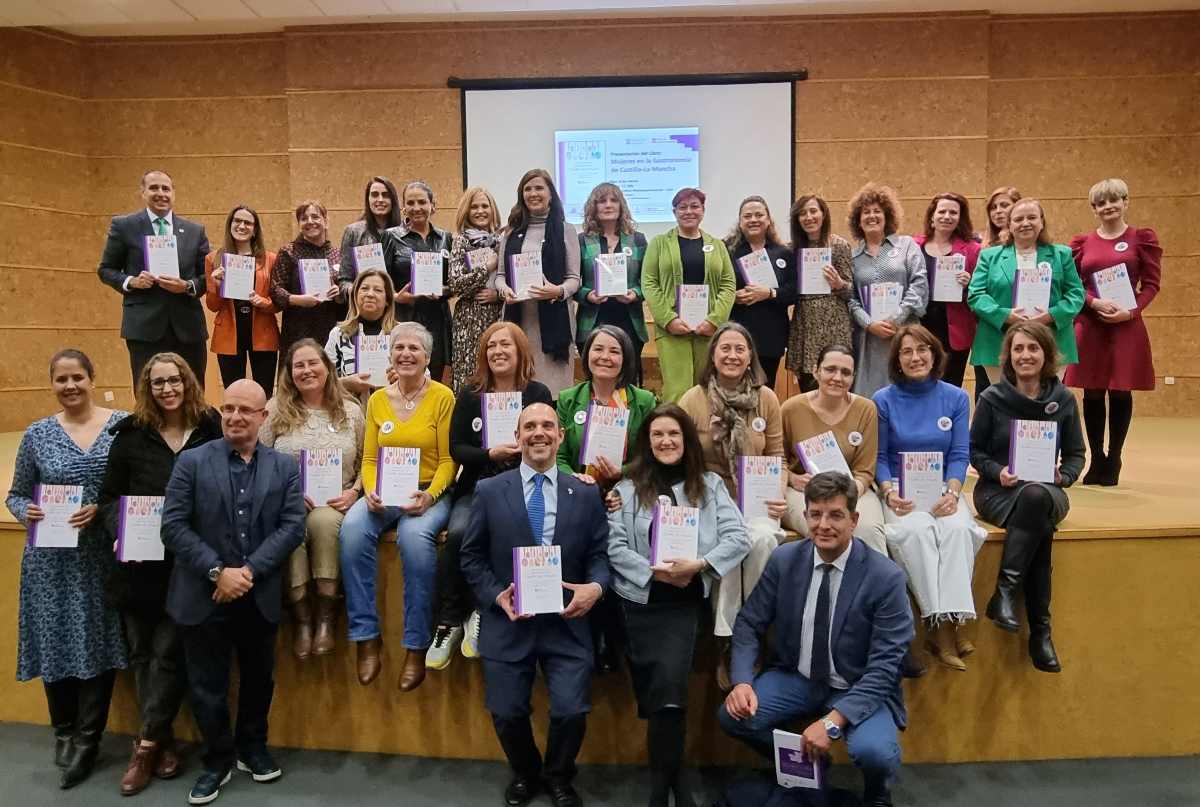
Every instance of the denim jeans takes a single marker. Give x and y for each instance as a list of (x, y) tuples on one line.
[(416, 537)]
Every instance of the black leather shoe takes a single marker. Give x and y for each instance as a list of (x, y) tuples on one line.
[(259, 765), (208, 786), (910, 665), (563, 795), (520, 792), (877, 798)]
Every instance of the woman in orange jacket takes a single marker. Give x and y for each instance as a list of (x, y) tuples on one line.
[(245, 325)]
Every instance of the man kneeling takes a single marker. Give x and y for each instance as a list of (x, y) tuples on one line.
[(842, 624)]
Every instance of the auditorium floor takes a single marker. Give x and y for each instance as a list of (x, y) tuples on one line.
[(336, 778)]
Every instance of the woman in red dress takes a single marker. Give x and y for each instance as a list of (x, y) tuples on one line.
[(1114, 348)]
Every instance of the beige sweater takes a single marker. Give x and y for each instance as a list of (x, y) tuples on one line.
[(800, 422), (766, 443)]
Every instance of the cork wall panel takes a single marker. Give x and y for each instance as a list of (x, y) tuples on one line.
[(189, 126), (1088, 107), (37, 345), (1181, 399), (42, 119), (952, 45), (30, 238), (338, 178), (44, 179), (933, 108), (1172, 218), (202, 185), (374, 119), (1100, 45), (41, 60), (1063, 168), (37, 296), (19, 408), (1180, 289), (185, 68), (913, 168), (1177, 341)]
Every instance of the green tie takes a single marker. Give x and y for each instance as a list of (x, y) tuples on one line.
[(160, 226)]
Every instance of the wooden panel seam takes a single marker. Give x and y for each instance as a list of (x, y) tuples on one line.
[(45, 150), (40, 91)]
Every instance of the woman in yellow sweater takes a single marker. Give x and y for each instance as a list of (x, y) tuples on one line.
[(412, 412)]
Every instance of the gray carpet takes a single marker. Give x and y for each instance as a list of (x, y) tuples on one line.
[(29, 779)]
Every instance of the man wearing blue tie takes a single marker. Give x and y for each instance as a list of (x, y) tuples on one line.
[(527, 506), (842, 624)]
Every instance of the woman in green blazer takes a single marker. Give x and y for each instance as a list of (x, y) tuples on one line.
[(686, 255), (609, 229), (990, 293)]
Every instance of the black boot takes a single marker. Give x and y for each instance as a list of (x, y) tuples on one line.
[(1097, 472), (1037, 605), (62, 699), (666, 730), (1019, 547), (95, 695)]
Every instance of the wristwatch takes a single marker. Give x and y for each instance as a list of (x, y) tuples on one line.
[(214, 573), (832, 729)]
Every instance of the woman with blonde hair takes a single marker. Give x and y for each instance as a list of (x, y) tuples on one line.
[(372, 312), (997, 206), (609, 229), (476, 234), (310, 412)]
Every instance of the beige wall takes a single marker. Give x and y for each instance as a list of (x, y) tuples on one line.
[(926, 103)]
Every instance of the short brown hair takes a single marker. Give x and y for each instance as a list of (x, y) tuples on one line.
[(925, 337), (684, 193), (964, 231), (1044, 236), (1039, 333), (303, 207), (873, 194), (482, 379)]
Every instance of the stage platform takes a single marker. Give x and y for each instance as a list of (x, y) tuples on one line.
[(1125, 619)]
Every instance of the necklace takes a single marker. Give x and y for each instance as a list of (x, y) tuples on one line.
[(410, 401)]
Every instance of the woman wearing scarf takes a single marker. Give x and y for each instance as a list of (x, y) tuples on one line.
[(476, 227), (537, 225), (737, 415)]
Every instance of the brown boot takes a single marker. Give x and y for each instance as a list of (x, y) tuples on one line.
[(169, 762), (369, 663), (940, 643), (414, 670), (323, 641), (302, 626), (141, 768)]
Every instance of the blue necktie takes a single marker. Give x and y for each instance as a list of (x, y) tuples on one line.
[(537, 509), (819, 669)]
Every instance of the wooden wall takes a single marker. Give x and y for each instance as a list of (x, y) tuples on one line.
[(926, 103)]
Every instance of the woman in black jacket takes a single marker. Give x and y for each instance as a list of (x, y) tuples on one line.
[(1029, 511), (170, 416)]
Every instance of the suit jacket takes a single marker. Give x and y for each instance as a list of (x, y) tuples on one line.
[(197, 526), (147, 313), (662, 274), (577, 399), (499, 522), (872, 626)]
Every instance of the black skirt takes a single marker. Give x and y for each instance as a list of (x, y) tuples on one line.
[(662, 642)]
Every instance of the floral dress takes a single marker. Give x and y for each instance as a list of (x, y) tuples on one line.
[(471, 318), (65, 628), (820, 320)]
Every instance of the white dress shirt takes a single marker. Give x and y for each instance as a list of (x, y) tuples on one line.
[(549, 494), (810, 608)]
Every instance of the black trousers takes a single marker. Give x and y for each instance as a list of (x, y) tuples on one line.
[(240, 628), (262, 368), (194, 353), (770, 365), (454, 603), (156, 659)]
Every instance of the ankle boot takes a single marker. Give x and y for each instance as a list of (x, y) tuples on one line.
[(941, 646), (95, 694), (1112, 472), (1037, 605), (910, 665), (1097, 471), (369, 663), (302, 625), (323, 637), (1019, 547), (62, 700), (413, 672)]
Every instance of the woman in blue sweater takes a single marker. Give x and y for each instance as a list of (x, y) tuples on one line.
[(931, 533)]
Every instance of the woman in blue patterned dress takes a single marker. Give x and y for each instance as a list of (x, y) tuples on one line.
[(67, 634)]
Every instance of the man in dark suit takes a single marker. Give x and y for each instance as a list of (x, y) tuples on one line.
[(529, 506), (842, 624), (233, 515), (158, 313)]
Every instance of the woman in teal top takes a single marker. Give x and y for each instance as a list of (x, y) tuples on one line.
[(609, 229), (609, 365), (990, 293), (686, 255)]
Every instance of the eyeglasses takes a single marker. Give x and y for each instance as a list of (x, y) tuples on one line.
[(169, 381), (242, 223), (228, 410)]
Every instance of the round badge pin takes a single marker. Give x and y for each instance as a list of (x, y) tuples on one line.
[(477, 424), (388, 427), (332, 428), (628, 251), (445, 253), (707, 248), (855, 438), (580, 417), (1051, 407), (945, 423), (1121, 246), (780, 262), (1044, 266), (759, 425)]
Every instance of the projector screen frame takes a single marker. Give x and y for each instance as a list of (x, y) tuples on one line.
[(463, 85)]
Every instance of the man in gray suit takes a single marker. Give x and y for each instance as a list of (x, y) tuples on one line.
[(158, 312)]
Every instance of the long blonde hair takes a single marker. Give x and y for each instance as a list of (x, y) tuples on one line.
[(290, 414), (349, 326)]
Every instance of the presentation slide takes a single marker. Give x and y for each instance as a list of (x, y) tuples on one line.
[(649, 165), (646, 140)]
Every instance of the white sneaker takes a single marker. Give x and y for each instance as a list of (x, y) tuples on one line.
[(445, 639), (470, 642)]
